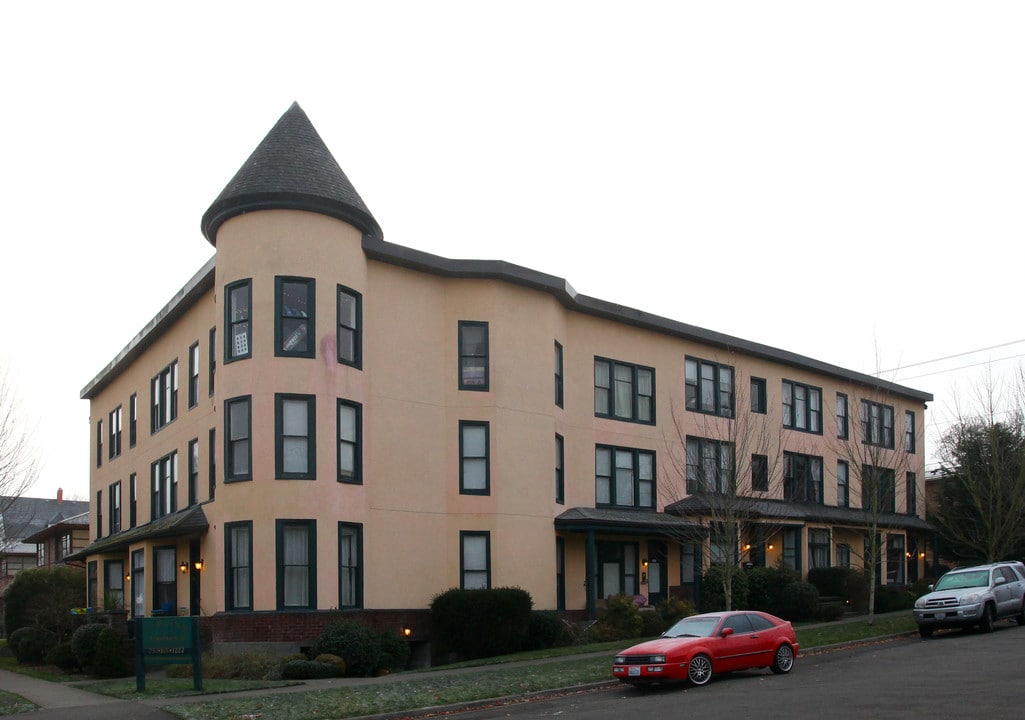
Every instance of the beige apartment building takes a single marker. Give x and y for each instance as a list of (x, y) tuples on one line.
[(323, 420)]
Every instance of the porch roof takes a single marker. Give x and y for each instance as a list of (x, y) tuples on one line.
[(183, 523), (634, 522), (783, 510)]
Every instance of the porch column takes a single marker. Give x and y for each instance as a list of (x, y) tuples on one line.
[(591, 576)]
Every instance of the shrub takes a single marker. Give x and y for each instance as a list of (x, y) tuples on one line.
[(481, 623), (328, 659), (830, 581), (61, 655), (620, 620), (30, 644), (242, 665), (672, 610), (856, 590), (357, 644), (547, 630), (109, 660), (652, 623), (889, 598), (799, 601), (43, 597), (83, 644), (713, 597), (921, 586), (830, 611), (308, 670), (765, 587), (394, 651)]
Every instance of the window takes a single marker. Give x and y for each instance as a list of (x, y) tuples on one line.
[(211, 468), (114, 499), (165, 583), (876, 424), (40, 554), (99, 514), (350, 565), (63, 546), (238, 453), (709, 465), (194, 375), (114, 433), (558, 375), (877, 489), (99, 443), (133, 419), (818, 548), (802, 478), (133, 500), (475, 560), (138, 583), (473, 355), (560, 478), (842, 419), (350, 327), (802, 407), (623, 391), (709, 387), (193, 471), (624, 477), (238, 575), (294, 304), (211, 363), (350, 428), (474, 462), (164, 397), (843, 484), (238, 335), (163, 497), (296, 437), (113, 584), (909, 431), (297, 564), (760, 473), (759, 402), (911, 494), (722, 549), (895, 560), (843, 555), (792, 548)]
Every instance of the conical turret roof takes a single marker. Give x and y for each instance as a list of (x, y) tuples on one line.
[(292, 169)]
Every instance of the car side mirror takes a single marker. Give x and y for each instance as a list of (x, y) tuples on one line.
[(1000, 580), (727, 632), (931, 586)]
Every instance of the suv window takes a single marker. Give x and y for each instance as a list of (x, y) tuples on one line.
[(1008, 574)]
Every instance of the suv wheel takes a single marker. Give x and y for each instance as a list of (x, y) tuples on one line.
[(925, 630), (987, 619)]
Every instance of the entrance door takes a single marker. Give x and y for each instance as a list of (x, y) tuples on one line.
[(658, 575), (617, 569)]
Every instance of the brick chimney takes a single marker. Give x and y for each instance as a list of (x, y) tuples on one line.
[(60, 495)]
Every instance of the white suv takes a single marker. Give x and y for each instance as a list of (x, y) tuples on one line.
[(973, 596)]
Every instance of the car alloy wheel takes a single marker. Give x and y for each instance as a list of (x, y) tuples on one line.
[(699, 671), (987, 619), (784, 661)]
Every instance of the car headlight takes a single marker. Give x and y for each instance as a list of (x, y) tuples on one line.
[(658, 658), (970, 599), (920, 602), (620, 660)]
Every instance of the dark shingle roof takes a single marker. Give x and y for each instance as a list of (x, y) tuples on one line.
[(292, 169), (22, 517), (611, 520), (189, 522)]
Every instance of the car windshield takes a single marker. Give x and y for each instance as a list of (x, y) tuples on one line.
[(697, 626), (958, 580)]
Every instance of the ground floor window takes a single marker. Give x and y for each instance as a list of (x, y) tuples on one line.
[(239, 571), (618, 569), (113, 584), (792, 548), (475, 560), (843, 555), (350, 565), (297, 564), (818, 548), (895, 560), (91, 584), (165, 587), (138, 583)]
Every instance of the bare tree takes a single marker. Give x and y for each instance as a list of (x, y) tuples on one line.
[(724, 460), (20, 461)]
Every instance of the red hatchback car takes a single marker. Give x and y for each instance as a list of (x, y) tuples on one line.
[(700, 646)]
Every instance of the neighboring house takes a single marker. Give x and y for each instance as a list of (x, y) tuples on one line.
[(321, 419), (62, 537)]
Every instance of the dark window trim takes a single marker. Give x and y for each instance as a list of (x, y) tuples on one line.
[(114, 509), (114, 421), (910, 493), (463, 534), (635, 453), (559, 377), (133, 500), (813, 486), (560, 469), (808, 413), (357, 331), (886, 432), (357, 442), (163, 389), (759, 396), (357, 529), (310, 319), (843, 421), (228, 454), (880, 503), (719, 409), (910, 431), (193, 471), (759, 472), (279, 543), (211, 366), (635, 394), (486, 490), (229, 569), (194, 375), (311, 437), (211, 462), (724, 450), (486, 385), (229, 357), (159, 509), (133, 419), (99, 443), (843, 500)]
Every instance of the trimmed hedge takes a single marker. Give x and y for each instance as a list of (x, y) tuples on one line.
[(481, 623), (84, 642)]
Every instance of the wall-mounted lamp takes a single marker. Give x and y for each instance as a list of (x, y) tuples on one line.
[(407, 632), (128, 578), (921, 556), (644, 563), (909, 555), (747, 547), (184, 567), (770, 546), (198, 565)]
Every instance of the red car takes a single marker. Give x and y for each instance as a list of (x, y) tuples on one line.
[(700, 646)]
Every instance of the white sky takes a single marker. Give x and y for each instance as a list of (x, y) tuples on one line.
[(842, 180)]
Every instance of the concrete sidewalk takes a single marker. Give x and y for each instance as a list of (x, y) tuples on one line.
[(60, 700)]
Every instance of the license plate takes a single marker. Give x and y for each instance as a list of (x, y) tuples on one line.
[(940, 616), (634, 671)]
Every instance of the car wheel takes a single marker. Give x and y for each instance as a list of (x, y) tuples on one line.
[(987, 619), (784, 661), (925, 630), (699, 671)]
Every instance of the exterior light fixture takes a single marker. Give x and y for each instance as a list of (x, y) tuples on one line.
[(644, 562), (184, 567), (771, 546), (921, 555), (407, 632), (198, 565)]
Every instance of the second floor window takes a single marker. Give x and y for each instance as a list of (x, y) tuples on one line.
[(474, 464), (114, 498), (237, 321), (878, 490), (114, 441), (238, 453), (133, 419), (802, 407), (473, 355), (294, 300), (349, 431), (350, 322), (909, 431), (759, 403), (709, 466), (560, 479), (193, 472), (709, 387), (164, 397), (876, 424), (802, 478), (558, 375), (623, 391), (843, 484), (164, 484), (760, 473), (842, 419), (194, 375), (624, 477), (296, 431), (911, 494)]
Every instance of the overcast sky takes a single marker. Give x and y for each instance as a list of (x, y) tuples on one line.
[(841, 180)]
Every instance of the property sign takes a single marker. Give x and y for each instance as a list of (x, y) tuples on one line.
[(167, 641)]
